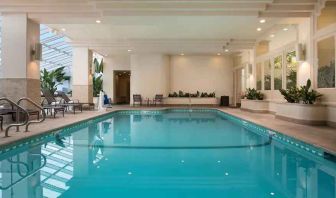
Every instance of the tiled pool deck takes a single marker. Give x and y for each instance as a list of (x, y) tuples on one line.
[(324, 137)]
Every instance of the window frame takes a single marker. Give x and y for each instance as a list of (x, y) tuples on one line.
[(316, 40)]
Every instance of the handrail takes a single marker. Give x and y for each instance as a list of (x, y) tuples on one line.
[(37, 106), (17, 116), (28, 173)]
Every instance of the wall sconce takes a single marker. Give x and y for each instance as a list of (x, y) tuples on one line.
[(36, 52)]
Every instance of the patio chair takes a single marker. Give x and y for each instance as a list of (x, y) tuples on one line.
[(158, 99), (67, 100), (53, 104), (1, 123), (137, 99)]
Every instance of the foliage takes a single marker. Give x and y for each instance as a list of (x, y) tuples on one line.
[(181, 94), (303, 94), (97, 85), (277, 83), (292, 95), (253, 94), (308, 96), (51, 79), (99, 67), (97, 79), (326, 76), (291, 79)]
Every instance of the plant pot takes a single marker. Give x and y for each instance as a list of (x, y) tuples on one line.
[(257, 106), (311, 114)]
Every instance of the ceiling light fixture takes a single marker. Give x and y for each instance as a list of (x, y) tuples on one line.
[(259, 29), (129, 50), (98, 21), (262, 21), (272, 35), (226, 50), (285, 29), (182, 54), (218, 54), (63, 29)]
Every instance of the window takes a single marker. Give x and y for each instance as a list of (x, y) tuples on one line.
[(259, 76), (278, 72), (267, 75), (326, 63), (291, 69)]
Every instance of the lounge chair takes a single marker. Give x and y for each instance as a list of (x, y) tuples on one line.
[(55, 105), (67, 100), (137, 99), (1, 123), (158, 99)]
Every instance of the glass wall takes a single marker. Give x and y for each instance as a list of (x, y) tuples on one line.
[(259, 76), (326, 63), (291, 69), (267, 75), (56, 53), (277, 72)]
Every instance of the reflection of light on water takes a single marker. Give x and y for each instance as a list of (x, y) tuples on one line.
[(129, 173), (226, 174), (218, 161), (182, 161), (272, 193)]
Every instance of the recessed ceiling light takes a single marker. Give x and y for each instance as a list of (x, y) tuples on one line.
[(285, 29), (262, 21), (129, 50), (272, 35), (259, 29), (226, 50), (182, 54), (98, 21), (218, 54), (63, 29)]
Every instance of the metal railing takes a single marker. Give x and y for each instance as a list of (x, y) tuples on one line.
[(18, 109), (37, 106)]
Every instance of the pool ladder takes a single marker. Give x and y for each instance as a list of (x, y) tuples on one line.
[(20, 109)]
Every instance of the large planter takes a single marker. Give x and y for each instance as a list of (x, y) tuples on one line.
[(257, 106), (302, 113), (191, 101)]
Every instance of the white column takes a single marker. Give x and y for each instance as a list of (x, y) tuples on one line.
[(19, 73), (82, 88)]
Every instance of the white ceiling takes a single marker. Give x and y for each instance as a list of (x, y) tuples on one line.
[(165, 26)]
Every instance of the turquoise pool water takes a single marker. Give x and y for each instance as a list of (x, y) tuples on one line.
[(171, 153)]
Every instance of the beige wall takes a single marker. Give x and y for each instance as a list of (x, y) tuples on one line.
[(149, 75), (202, 73)]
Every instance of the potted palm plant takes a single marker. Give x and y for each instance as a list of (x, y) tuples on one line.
[(97, 79), (301, 105), (51, 79)]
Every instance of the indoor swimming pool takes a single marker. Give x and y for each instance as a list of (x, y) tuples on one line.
[(166, 153)]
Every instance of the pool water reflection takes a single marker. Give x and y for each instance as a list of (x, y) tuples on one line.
[(173, 154)]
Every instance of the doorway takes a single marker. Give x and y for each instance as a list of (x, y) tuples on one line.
[(122, 87)]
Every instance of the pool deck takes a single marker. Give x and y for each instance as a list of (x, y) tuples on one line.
[(320, 136)]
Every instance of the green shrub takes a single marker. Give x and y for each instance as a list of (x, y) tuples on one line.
[(308, 96), (253, 94), (292, 95), (302, 94)]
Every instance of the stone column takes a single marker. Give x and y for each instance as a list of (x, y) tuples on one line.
[(19, 73), (82, 88)]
